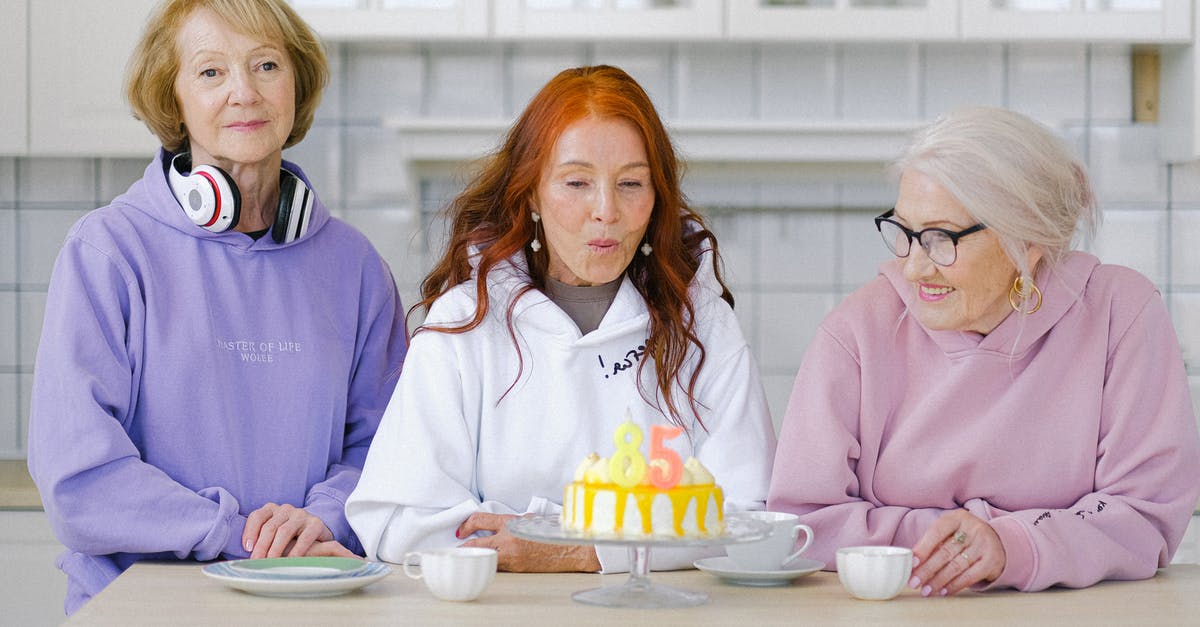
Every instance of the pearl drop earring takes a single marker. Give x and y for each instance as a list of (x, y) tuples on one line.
[(535, 244)]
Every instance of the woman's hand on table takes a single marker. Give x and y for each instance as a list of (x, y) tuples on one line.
[(332, 548), (277, 530), (959, 550), (522, 556)]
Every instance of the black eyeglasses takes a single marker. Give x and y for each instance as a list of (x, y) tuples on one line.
[(940, 245)]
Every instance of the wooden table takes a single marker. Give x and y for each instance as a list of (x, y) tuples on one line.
[(179, 594)]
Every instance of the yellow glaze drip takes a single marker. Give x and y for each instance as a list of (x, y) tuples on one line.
[(643, 497)]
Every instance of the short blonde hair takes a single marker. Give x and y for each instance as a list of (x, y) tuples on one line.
[(150, 76), (1012, 174)]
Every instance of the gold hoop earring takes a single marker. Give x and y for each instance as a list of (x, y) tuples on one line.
[(1017, 293)]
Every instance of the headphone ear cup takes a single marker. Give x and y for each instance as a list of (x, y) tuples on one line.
[(208, 195), (228, 198), (295, 209)]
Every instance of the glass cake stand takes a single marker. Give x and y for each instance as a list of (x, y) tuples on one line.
[(638, 590)]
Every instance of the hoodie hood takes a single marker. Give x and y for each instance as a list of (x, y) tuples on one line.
[(152, 195), (1062, 286)]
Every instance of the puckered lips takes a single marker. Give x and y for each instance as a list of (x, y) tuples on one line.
[(603, 245)]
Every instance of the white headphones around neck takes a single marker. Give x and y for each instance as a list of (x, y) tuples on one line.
[(211, 199)]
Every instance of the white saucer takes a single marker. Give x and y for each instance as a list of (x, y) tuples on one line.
[(725, 568)]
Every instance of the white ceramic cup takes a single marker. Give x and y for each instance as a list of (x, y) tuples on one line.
[(874, 573), (457, 574), (777, 549)]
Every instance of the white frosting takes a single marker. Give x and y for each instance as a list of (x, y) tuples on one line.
[(698, 473), (598, 471), (587, 462)]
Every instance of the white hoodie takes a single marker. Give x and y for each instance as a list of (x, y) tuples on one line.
[(473, 427)]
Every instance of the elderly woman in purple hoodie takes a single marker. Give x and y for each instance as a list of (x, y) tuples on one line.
[(1014, 411), (217, 350)]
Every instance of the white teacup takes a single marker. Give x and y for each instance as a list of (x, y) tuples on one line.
[(456, 574), (874, 573), (774, 551)]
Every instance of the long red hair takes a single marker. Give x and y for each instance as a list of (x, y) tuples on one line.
[(493, 214)]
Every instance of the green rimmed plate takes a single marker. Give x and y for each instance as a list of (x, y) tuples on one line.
[(298, 567), (265, 582)]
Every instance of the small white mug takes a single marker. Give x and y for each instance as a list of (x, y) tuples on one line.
[(456, 574), (774, 551), (874, 573)]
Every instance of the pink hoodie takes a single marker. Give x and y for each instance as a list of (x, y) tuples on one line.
[(1070, 430)]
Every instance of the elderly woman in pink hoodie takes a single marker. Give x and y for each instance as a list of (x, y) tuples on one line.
[(1015, 411)]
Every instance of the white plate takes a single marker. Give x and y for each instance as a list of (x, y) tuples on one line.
[(725, 568), (290, 586)]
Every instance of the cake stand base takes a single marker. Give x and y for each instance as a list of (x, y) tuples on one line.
[(638, 590), (641, 594)]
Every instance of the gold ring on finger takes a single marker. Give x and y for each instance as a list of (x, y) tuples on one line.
[(965, 557), (960, 537)]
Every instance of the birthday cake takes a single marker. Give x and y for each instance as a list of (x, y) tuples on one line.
[(625, 496)]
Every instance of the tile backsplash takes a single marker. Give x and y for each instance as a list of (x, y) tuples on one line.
[(796, 237)]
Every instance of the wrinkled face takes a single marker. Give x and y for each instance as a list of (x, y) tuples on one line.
[(237, 94), (595, 198), (970, 294)]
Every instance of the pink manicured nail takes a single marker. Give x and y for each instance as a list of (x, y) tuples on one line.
[(944, 592), (916, 561), (457, 534), (915, 582), (926, 591), (250, 545)]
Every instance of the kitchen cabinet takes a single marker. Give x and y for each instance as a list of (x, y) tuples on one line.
[(847, 20), (77, 55), (1133, 21), (337, 20), (609, 19), (65, 60), (14, 132)]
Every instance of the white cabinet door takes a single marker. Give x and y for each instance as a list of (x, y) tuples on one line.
[(78, 51), (1154, 21), (14, 135), (608, 19), (396, 19), (844, 20)]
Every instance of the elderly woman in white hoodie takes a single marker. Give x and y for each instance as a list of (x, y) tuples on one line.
[(577, 284)]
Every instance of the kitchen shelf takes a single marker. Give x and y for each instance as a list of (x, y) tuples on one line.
[(433, 139)]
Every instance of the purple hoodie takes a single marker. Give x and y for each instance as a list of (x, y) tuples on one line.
[(186, 378), (1069, 430)]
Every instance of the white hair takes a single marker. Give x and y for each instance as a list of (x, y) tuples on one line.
[(1012, 174)]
